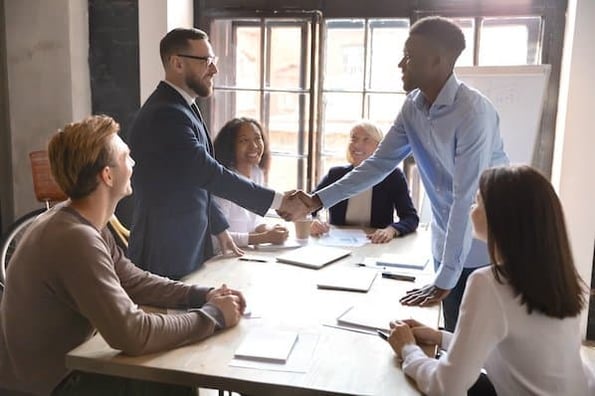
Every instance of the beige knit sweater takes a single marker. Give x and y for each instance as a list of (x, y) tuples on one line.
[(67, 280)]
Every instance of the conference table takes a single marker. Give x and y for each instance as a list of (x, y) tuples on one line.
[(285, 297)]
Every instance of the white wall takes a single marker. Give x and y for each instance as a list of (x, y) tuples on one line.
[(156, 18), (573, 172), (48, 79)]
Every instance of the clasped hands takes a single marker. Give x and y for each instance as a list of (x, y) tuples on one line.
[(410, 331), (230, 302), (297, 204)]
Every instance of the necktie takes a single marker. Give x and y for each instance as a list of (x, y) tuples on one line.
[(196, 111)]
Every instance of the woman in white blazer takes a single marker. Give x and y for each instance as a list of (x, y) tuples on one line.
[(519, 318)]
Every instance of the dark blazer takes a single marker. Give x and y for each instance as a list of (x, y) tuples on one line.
[(390, 194), (175, 174)]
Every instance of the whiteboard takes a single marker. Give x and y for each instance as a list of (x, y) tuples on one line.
[(517, 92)]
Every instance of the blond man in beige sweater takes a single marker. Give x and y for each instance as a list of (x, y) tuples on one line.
[(69, 279)]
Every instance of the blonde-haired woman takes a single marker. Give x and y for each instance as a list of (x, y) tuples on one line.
[(375, 207)]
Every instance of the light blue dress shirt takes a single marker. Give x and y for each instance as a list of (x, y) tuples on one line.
[(453, 141)]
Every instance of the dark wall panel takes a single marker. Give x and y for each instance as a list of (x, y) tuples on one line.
[(114, 66)]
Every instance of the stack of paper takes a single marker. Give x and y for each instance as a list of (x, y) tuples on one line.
[(267, 345)]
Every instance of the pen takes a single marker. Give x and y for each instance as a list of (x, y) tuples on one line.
[(401, 277), (382, 334), (257, 260)]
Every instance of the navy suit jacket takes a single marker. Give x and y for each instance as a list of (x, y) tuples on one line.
[(175, 174), (390, 194)]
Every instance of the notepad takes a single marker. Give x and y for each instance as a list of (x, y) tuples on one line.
[(348, 279), (367, 317), (409, 261), (267, 345), (313, 256)]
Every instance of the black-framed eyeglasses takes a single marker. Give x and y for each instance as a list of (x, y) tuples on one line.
[(211, 60)]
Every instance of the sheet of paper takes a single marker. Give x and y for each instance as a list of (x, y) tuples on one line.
[(299, 360), (374, 316), (269, 345), (344, 237)]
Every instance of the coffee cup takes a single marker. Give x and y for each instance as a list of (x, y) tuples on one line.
[(302, 227)]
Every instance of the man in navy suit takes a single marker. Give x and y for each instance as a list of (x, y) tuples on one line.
[(174, 213)]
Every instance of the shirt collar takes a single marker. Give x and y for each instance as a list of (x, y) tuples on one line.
[(446, 96), (189, 99)]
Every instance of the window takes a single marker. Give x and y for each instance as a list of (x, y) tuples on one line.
[(265, 74), (307, 76), (360, 80)]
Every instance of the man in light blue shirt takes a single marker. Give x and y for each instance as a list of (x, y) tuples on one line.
[(452, 131)]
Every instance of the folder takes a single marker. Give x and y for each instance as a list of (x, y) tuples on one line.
[(348, 279)]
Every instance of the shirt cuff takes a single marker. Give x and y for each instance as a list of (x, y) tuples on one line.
[(412, 352), (213, 313), (277, 200), (197, 296), (446, 278), (446, 339)]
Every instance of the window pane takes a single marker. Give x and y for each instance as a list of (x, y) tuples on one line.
[(510, 41), (387, 42), (340, 111), (226, 105), (286, 61), (467, 26), (344, 54), (248, 53), (384, 109), (237, 43), (288, 122), (283, 174)]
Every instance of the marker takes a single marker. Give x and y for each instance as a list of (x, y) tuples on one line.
[(382, 334), (401, 277)]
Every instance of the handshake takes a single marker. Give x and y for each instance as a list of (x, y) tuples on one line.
[(297, 204)]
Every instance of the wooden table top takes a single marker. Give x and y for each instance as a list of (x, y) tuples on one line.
[(284, 297)]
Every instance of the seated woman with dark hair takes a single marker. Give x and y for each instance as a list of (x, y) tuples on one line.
[(242, 146), (519, 317), (372, 208)]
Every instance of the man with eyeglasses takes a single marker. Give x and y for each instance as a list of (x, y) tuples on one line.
[(174, 213)]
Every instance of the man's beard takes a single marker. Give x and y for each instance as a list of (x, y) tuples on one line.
[(201, 89)]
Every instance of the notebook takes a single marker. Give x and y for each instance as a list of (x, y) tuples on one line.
[(367, 317), (409, 261), (267, 345), (348, 279), (313, 256)]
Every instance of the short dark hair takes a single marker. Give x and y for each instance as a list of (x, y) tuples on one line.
[(527, 236), (225, 143), (442, 32), (176, 41)]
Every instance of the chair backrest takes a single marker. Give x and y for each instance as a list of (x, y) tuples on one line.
[(120, 233), (46, 188)]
